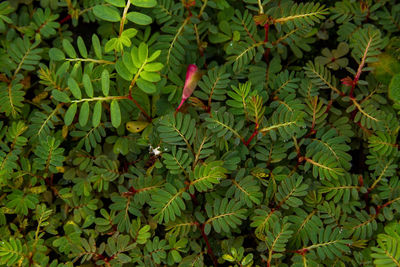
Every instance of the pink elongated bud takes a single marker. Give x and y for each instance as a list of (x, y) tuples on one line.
[(193, 76)]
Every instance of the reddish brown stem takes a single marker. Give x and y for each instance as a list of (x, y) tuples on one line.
[(246, 143), (140, 108), (266, 28), (194, 199), (209, 249), (68, 17), (266, 54), (251, 137), (353, 86), (131, 192), (329, 106)]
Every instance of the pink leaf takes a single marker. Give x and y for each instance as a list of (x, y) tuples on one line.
[(193, 76)]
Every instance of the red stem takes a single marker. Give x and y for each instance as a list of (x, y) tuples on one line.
[(266, 27), (140, 107), (266, 54), (329, 106), (246, 143), (251, 137), (353, 86), (209, 249), (68, 17)]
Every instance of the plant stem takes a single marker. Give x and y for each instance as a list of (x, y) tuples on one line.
[(68, 17), (100, 99), (359, 70), (129, 97), (266, 54), (121, 25), (100, 61), (202, 9), (140, 108), (251, 137), (209, 249), (260, 7)]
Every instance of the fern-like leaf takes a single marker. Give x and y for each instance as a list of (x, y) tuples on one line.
[(179, 130), (49, 155), (205, 176), (224, 215), (289, 191), (387, 253), (213, 85), (245, 188), (323, 165), (321, 77), (223, 124), (167, 203), (277, 239), (344, 188), (264, 219), (11, 251), (330, 244)]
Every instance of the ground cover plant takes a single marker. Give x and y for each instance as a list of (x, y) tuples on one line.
[(199, 133)]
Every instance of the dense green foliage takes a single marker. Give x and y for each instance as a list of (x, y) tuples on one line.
[(286, 153)]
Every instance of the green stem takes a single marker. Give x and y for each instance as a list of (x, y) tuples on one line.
[(100, 61)]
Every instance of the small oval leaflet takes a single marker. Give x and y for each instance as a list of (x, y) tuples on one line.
[(115, 114)]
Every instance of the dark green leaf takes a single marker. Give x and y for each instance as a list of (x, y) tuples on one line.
[(97, 114), (74, 88), (105, 82), (68, 48), (87, 84), (106, 13), (84, 114), (60, 96), (146, 86), (139, 18), (115, 113), (56, 54), (144, 3), (70, 114)]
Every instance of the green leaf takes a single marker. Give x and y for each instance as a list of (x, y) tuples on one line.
[(82, 47), (129, 33), (96, 46), (139, 18), (68, 48), (394, 88), (111, 45), (74, 88), (154, 56), (84, 114), (224, 215), (70, 114), (10, 252), (56, 54), (150, 77), (218, 38), (153, 67), (204, 177), (144, 3), (143, 52), (87, 84), (168, 203), (123, 71), (97, 114), (106, 13), (146, 86), (115, 113), (105, 82), (117, 3), (60, 96)]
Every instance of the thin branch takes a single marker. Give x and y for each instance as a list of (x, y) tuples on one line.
[(121, 25)]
